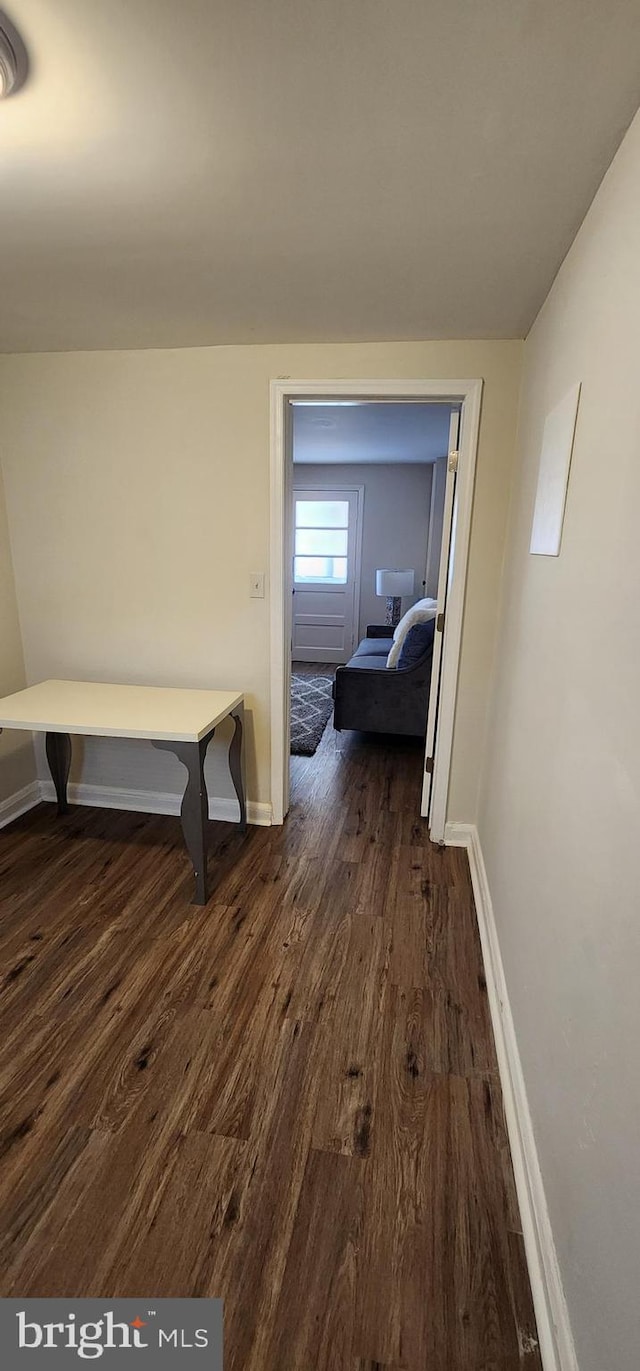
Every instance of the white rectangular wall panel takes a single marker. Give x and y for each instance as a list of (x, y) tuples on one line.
[(553, 475)]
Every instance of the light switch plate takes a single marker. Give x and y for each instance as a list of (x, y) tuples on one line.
[(256, 585)]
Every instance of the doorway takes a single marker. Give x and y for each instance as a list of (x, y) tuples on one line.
[(465, 397)]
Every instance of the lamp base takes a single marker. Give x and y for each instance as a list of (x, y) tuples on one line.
[(394, 610)]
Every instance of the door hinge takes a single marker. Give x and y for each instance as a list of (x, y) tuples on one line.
[(428, 766), (440, 623), (452, 464)]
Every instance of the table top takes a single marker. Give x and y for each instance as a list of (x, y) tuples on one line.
[(117, 711)]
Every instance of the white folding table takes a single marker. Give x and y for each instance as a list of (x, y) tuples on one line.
[(180, 721)]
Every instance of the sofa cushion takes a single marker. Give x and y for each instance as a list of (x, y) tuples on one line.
[(367, 663), (374, 647), (418, 642), (421, 612), (419, 609)]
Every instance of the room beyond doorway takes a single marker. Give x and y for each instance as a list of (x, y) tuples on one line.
[(368, 495)]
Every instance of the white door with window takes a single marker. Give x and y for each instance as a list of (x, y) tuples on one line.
[(326, 573)]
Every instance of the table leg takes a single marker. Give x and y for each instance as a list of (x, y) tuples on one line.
[(58, 749), (236, 763), (194, 812)]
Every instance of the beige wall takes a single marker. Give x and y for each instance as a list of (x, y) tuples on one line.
[(395, 522), (138, 494), (16, 753), (560, 801)]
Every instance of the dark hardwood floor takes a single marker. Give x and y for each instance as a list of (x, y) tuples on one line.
[(289, 1098)]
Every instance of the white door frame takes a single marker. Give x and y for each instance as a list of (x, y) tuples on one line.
[(468, 395), (444, 569)]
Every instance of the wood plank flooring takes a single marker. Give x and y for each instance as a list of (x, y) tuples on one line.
[(289, 1098)]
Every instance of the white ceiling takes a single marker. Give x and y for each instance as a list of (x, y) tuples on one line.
[(385, 432), (178, 172)]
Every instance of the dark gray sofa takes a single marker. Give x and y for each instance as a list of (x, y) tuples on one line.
[(369, 697)]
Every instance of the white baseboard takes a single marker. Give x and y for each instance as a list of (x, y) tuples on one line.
[(19, 803), (151, 802), (554, 1330)]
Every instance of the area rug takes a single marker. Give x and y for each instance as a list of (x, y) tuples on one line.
[(311, 705)]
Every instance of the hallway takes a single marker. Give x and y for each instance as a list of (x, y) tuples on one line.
[(289, 1099)]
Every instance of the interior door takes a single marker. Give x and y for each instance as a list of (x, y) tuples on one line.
[(326, 573), (444, 581)]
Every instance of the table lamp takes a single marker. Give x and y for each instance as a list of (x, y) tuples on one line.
[(394, 584)]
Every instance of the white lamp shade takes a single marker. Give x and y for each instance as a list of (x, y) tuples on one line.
[(394, 583)]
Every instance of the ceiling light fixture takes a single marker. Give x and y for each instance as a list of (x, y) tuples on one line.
[(13, 58), (8, 65)]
